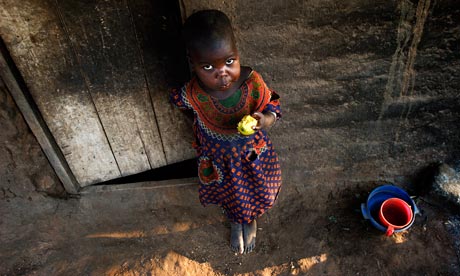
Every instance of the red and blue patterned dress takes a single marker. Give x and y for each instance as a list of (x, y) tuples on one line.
[(244, 184)]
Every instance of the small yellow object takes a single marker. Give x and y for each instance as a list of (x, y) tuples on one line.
[(245, 126)]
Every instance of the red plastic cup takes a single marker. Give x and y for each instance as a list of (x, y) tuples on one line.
[(395, 214)]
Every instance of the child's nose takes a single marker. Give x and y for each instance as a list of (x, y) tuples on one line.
[(221, 71)]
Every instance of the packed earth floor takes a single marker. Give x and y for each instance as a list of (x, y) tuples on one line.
[(157, 229)]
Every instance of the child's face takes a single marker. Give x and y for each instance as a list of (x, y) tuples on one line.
[(218, 69)]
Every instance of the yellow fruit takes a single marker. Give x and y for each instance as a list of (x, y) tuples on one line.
[(245, 126)]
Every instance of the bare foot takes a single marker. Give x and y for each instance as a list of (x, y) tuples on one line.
[(249, 236), (236, 238)]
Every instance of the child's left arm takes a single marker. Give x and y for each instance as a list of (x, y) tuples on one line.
[(271, 113)]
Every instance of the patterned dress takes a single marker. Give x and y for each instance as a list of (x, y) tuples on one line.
[(244, 184)]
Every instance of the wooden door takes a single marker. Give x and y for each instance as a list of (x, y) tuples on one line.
[(98, 72)]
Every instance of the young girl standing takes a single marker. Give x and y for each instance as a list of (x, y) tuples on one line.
[(238, 172)]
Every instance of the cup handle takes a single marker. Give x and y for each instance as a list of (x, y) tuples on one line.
[(390, 230)]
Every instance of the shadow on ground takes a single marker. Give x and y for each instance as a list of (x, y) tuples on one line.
[(165, 231)]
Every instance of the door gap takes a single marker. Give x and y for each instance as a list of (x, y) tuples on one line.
[(180, 170)]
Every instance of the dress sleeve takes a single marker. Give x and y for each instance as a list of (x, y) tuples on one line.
[(268, 99), (274, 105), (178, 97)]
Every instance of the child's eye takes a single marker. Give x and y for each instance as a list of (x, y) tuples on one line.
[(229, 61), (207, 67)]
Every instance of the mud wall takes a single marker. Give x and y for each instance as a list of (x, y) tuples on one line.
[(369, 88), (24, 169)]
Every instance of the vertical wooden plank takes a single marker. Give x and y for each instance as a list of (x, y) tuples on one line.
[(157, 26), (41, 50), (103, 38)]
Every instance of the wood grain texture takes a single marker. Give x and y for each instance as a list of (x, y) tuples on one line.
[(158, 26), (100, 73), (105, 42), (42, 52)]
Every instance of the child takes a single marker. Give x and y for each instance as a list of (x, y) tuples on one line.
[(240, 173)]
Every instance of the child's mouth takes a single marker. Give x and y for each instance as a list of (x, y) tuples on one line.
[(225, 85)]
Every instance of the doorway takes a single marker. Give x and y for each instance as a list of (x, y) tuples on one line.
[(99, 74)]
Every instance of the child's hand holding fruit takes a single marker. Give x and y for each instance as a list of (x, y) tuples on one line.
[(249, 124)]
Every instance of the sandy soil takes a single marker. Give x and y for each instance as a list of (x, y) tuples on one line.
[(164, 231)]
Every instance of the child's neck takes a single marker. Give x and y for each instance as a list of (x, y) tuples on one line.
[(245, 71)]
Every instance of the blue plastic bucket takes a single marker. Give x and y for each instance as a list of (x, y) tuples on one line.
[(371, 208)]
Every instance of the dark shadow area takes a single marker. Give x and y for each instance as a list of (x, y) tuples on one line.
[(158, 26), (184, 169), (422, 181)]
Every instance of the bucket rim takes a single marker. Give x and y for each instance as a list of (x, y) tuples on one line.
[(389, 190)]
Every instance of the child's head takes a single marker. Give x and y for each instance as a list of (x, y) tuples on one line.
[(212, 50)]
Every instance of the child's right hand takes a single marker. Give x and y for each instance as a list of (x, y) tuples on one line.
[(265, 120)]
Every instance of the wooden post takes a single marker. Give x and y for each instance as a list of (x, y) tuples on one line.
[(36, 124)]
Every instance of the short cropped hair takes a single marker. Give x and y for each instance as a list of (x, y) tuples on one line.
[(206, 27)]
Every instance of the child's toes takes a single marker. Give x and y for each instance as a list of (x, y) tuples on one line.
[(248, 249), (236, 238), (249, 236)]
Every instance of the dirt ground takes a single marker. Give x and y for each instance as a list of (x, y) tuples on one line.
[(158, 230)]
